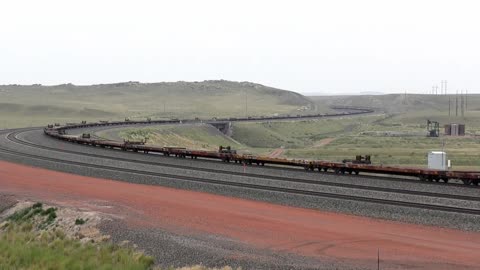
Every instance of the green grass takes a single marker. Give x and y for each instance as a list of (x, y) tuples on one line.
[(22, 248), (25, 244), (294, 134)]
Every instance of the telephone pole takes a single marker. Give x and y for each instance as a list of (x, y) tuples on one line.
[(466, 97), (449, 106), (456, 104), (246, 104)]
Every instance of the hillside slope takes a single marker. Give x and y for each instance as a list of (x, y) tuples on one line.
[(23, 105), (413, 109)]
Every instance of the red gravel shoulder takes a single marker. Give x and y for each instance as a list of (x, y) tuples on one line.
[(322, 235)]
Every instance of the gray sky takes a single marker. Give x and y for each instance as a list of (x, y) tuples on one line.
[(330, 47)]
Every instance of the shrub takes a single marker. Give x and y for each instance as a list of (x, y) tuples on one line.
[(80, 221), (37, 205)]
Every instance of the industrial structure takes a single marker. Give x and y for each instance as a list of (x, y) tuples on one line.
[(433, 129), (455, 129)]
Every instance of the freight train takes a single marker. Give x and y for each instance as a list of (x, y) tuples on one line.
[(226, 154)]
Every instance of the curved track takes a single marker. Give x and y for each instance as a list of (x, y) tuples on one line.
[(12, 137)]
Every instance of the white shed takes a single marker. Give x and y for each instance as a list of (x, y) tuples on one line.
[(437, 160)]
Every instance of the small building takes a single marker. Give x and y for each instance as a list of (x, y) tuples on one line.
[(437, 160), (455, 129)]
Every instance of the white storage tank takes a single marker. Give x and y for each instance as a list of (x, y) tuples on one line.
[(437, 160)]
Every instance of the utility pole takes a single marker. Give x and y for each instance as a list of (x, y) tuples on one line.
[(378, 259), (445, 87), (466, 96), (462, 103), (246, 104), (441, 87), (456, 104), (449, 106)]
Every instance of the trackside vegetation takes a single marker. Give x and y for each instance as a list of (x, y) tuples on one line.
[(25, 243), (29, 239)]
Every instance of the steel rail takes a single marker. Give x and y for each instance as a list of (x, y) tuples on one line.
[(423, 206), (14, 138)]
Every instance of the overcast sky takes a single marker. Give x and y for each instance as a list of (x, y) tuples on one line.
[(330, 47)]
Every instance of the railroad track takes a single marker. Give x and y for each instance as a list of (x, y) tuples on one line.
[(12, 137)]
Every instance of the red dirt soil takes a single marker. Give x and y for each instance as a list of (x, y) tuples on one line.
[(323, 235)]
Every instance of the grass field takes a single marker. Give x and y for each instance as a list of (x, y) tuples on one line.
[(38, 105), (294, 134)]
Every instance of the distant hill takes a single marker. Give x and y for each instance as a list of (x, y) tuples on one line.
[(412, 108), (32, 104)]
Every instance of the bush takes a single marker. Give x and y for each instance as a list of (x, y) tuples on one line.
[(80, 221), (37, 205), (49, 211)]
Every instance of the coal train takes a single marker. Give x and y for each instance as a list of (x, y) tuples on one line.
[(226, 154)]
